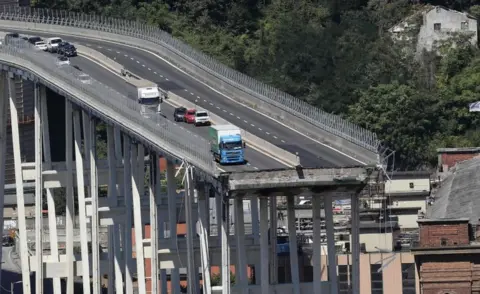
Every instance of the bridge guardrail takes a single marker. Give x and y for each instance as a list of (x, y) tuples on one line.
[(328, 128), (103, 100)]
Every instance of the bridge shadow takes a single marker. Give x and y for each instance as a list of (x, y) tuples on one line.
[(10, 278)]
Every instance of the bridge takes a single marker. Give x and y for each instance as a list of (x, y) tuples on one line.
[(335, 160)]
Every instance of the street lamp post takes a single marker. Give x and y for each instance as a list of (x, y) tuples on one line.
[(12, 285)]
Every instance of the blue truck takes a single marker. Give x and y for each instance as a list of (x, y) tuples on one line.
[(227, 144)]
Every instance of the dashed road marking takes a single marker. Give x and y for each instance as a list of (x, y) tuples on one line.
[(275, 137), (238, 117), (138, 61), (185, 90), (143, 65), (224, 110), (118, 52), (218, 107), (131, 58), (166, 79), (109, 49), (267, 133), (259, 129), (245, 121), (161, 76), (125, 55), (231, 113), (252, 125), (149, 69), (255, 167), (283, 141), (211, 104), (155, 72)]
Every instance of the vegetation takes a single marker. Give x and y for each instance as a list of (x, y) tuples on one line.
[(337, 55)]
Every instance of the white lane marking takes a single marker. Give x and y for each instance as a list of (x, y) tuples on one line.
[(143, 65), (211, 104), (231, 113), (259, 129), (161, 76), (109, 49), (267, 133), (166, 79), (252, 125), (138, 61), (245, 121), (185, 90), (99, 47), (275, 137), (131, 58), (191, 93), (224, 110), (155, 72), (255, 167), (204, 100), (118, 52), (149, 69), (238, 117), (125, 55), (218, 107), (283, 141)]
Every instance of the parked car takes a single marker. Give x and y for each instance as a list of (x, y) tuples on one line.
[(34, 40), (189, 116), (202, 118), (7, 241), (179, 113), (52, 44), (40, 45), (84, 78)]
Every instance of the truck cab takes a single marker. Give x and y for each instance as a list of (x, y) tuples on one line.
[(150, 98)]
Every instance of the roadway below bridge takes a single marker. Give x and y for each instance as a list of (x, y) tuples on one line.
[(312, 153), (256, 160)]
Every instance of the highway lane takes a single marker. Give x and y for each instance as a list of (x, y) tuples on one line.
[(255, 159), (312, 154)]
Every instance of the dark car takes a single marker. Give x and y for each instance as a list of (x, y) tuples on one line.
[(67, 49), (10, 37), (179, 113), (33, 40), (7, 241)]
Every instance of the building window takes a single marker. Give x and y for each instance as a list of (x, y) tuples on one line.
[(443, 242), (411, 185), (344, 278), (437, 27), (376, 277), (437, 9), (408, 278), (465, 25)]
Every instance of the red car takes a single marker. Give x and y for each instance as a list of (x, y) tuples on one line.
[(189, 117)]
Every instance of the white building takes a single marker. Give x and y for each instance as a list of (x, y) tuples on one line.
[(434, 24)]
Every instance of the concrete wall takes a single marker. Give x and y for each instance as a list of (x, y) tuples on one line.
[(403, 186)]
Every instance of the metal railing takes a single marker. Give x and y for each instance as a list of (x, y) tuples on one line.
[(154, 128), (147, 34)]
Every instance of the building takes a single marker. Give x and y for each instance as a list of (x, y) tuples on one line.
[(448, 253), (428, 27)]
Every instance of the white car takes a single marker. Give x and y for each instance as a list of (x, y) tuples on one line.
[(52, 44), (63, 60), (202, 118), (84, 78), (40, 45)]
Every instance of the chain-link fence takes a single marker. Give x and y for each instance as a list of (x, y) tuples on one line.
[(147, 36), (110, 104)]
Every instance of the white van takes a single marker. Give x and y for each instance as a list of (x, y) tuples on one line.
[(52, 44)]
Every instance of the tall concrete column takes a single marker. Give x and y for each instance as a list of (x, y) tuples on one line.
[(137, 215), (273, 241), (225, 239), (332, 254), (255, 222), (70, 213), (38, 191), (241, 270), (153, 193), (292, 240), (127, 181), (192, 270), (203, 233), (3, 148), (355, 244), (264, 254), (114, 268), (52, 219), (172, 202), (81, 202), (94, 202), (17, 158), (317, 241)]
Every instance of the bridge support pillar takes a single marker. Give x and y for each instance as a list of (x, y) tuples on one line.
[(3, 147), (114, 268), (264, 254), (273, 241), (17, 158), (95, 221), (241, 266), (332, 255), (154, 195), (317, 249), (70, 213), (137, 183), (225, 239), (355, 215), (203, 232), (292, 240), (172, 202), (127, 181), (192, 270), (52, 220), (81, 202), (255, 221), (38, 191)]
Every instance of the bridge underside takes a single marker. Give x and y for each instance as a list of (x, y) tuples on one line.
[(136, 194)]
